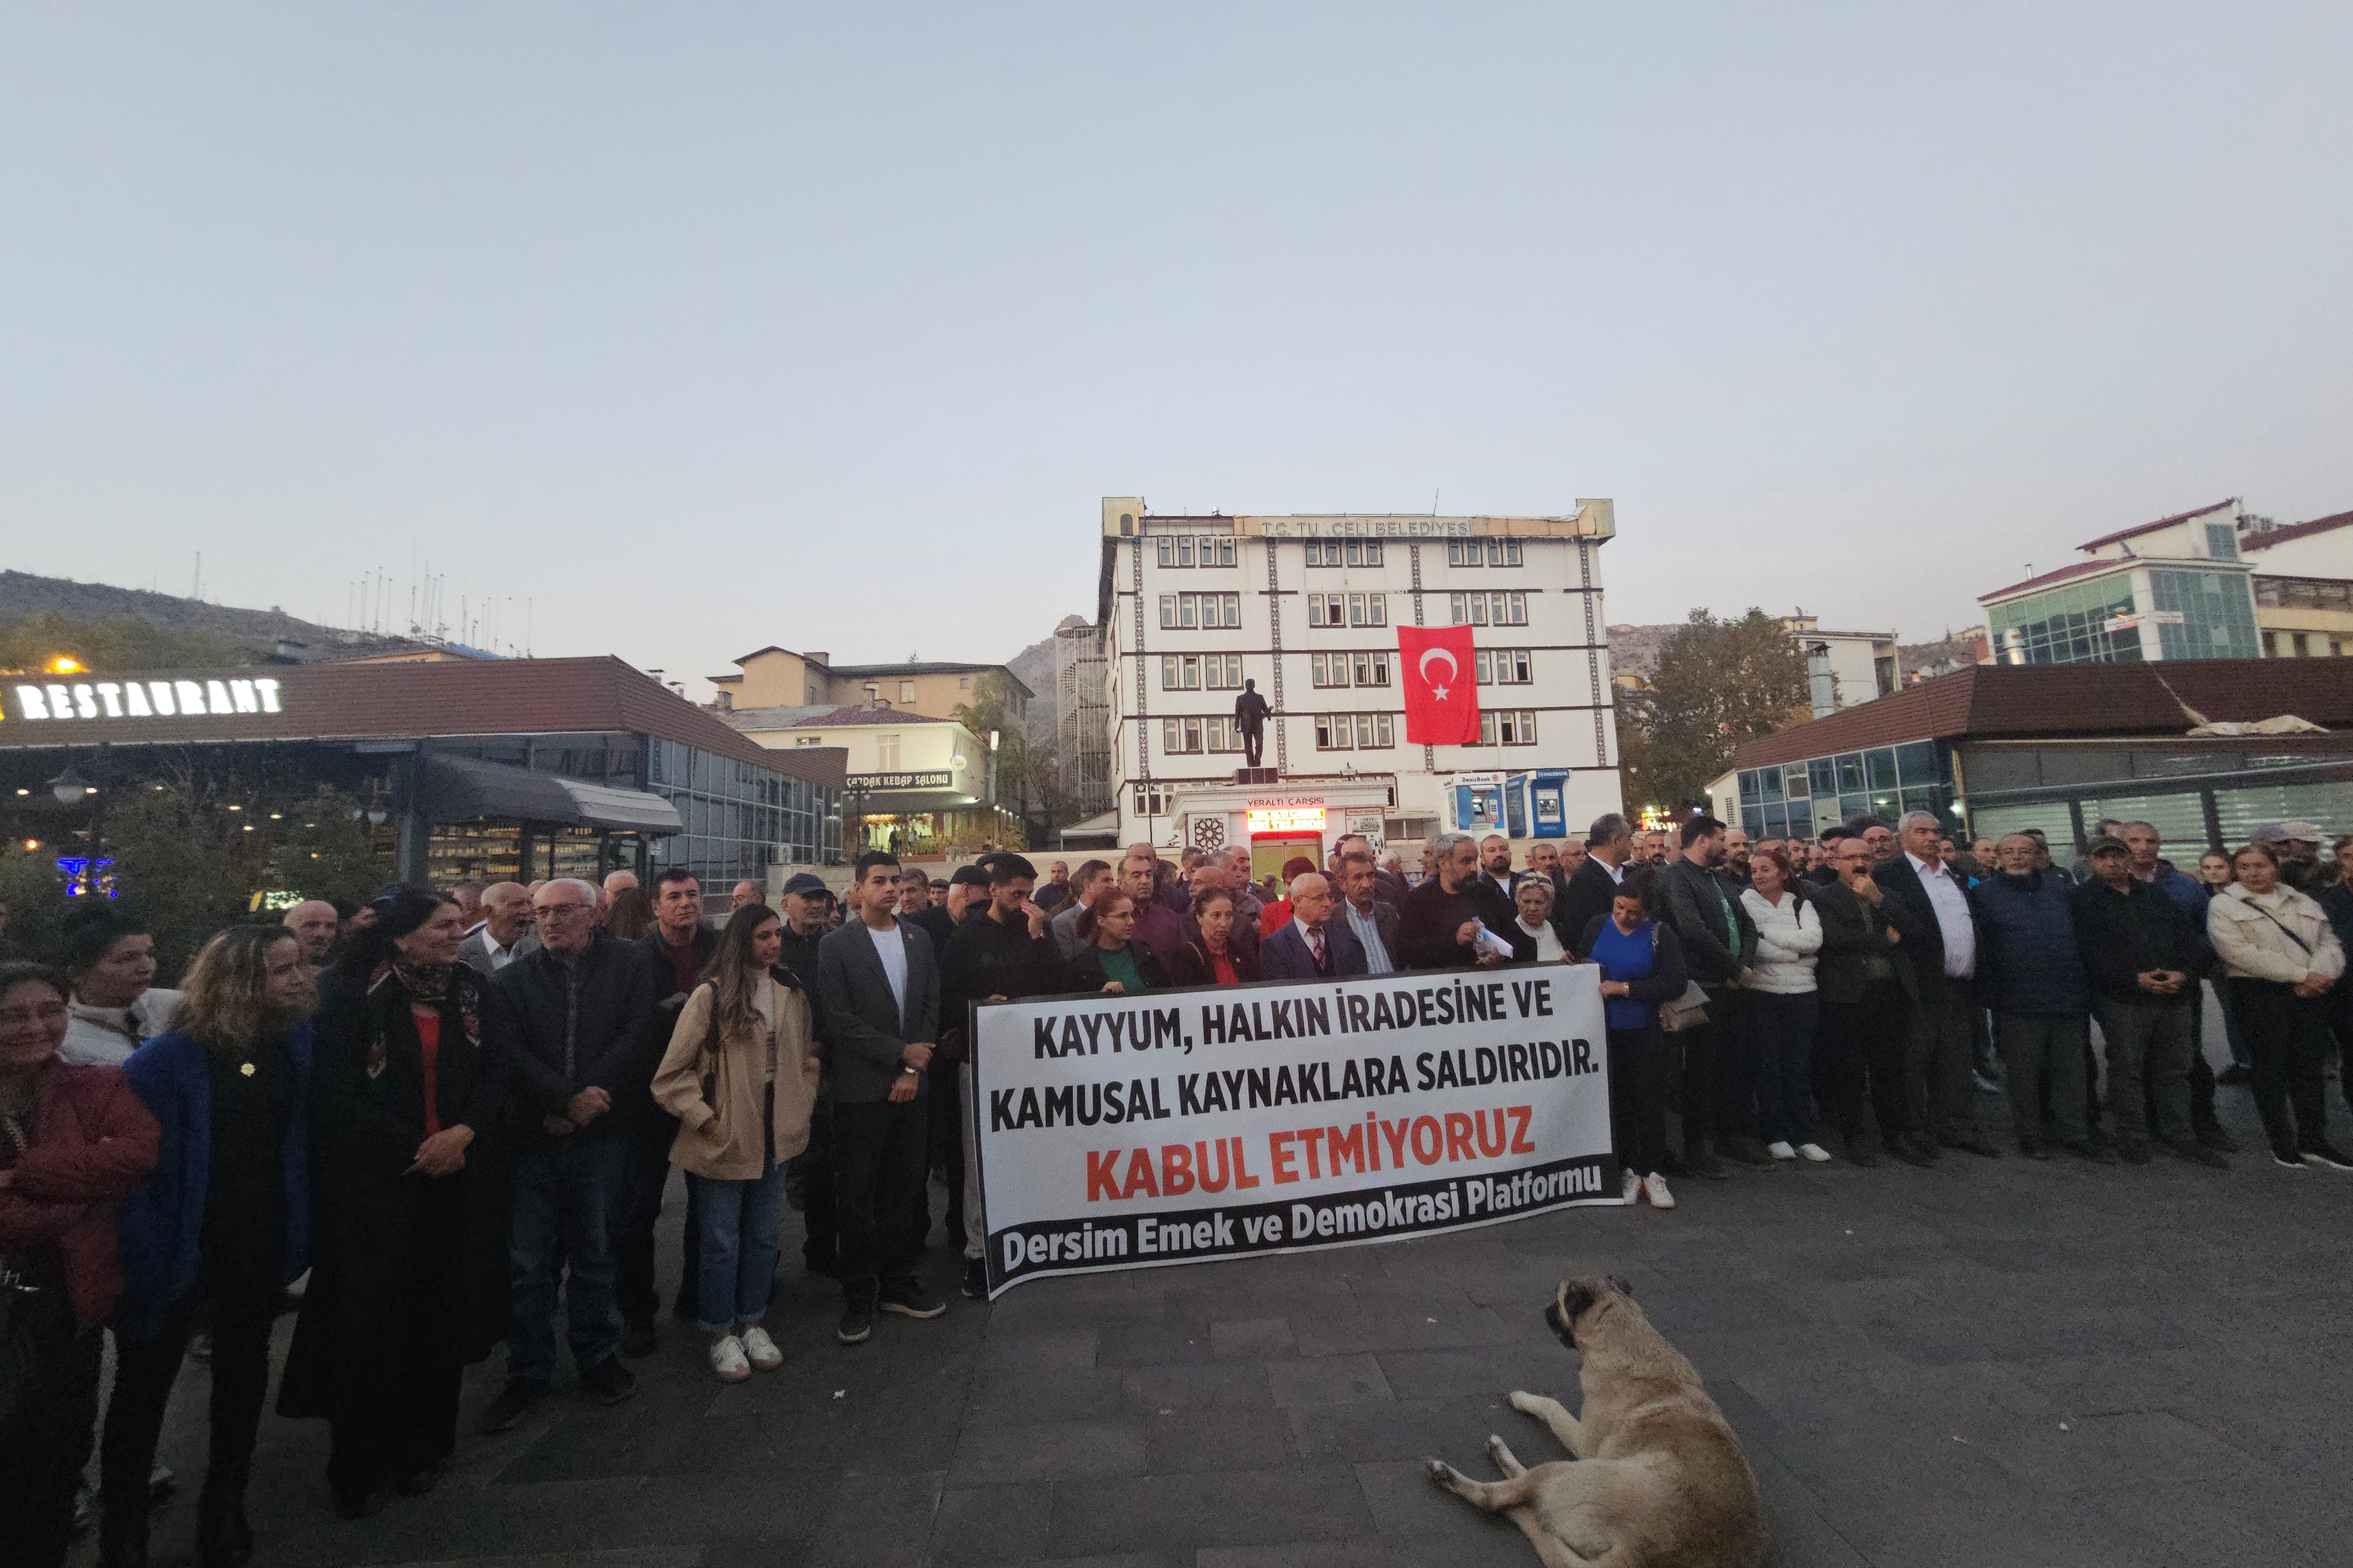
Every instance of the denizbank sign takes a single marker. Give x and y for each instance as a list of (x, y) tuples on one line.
[(142, 698)]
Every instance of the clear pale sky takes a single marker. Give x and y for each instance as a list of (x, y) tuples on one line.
[(706, 327)]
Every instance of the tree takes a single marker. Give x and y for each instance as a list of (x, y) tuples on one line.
[(1719, 684), (324, 849), (183, 862)]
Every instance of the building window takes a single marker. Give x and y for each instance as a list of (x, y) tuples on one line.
[(963, 683), (1506, 667), (1180, 735), (1364, 552), (1323, 553), (1369, 609), (1488, 609), (886, 754), (1355, 732), (1223, 671), (906, 691), (1328, 668), (1215, 552), (1372, 669), (1223, 735), (2222, 540), (2067, 626), (1183, 612), (1507, 729), (1324, 609), (809, 740), (1482, 552), (1151, 802), (1181, 672)]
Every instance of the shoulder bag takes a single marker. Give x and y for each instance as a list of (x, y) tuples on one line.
[(1688, 1011)]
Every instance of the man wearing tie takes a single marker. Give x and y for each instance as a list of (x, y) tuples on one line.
[(1312, 945)]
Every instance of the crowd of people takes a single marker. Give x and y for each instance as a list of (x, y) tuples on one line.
[(429, 1118)]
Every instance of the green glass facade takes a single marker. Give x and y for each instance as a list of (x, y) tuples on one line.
[(1796, 798), (2069, 624), (2218, 613)]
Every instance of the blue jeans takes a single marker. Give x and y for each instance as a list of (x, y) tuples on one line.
[(566, 1199), (739, 1247), (1781, 1029)]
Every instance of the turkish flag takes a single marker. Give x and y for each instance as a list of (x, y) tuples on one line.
[(1441, 688)]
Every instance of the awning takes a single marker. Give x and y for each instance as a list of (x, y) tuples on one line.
[(458, 789)]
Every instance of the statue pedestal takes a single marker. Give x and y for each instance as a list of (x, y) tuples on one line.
[(1256, 777)]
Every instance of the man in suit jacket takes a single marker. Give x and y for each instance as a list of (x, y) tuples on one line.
[(1593, 886), (1938, 939), (879, 993), (1371, 919), (505, 934), (1094, 879), (1311, 945)]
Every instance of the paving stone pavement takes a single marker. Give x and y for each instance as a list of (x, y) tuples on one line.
[(1991, 1362)]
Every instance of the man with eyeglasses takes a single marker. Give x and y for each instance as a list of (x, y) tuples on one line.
[(584, 1011)]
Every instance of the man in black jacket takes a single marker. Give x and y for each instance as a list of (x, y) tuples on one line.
[(1001, 954), (2143, 961), (1860, 1061), (1719, 1081), (676, 948), (879, 990), (1930, 911), (584, 1006), (1594, 884), (808, 1183), (1435, 927)]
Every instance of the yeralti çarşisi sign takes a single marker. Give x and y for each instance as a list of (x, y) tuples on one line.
[(1178, 1126)]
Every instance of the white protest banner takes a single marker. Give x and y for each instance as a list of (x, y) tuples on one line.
[(1174, 1126)]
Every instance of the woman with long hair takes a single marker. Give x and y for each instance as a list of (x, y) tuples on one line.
[(212, 1238), (631, 916), (1109, 959), (408, 1242), (2281, 960), (741, 1076), (73, 1140), (110, 963), (1213, 958)]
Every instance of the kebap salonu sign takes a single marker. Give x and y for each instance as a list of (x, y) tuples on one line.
[(1178, 1126)]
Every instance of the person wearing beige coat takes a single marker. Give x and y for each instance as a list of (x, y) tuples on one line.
[(742, 1092), (2281, 958)]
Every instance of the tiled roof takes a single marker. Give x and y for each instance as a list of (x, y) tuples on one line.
[(2270, 537), (1990, 701), (2079, 569), (457, 697), (761, 720), (2124, 533)]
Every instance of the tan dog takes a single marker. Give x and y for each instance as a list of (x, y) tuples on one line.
[(1660, 1481)]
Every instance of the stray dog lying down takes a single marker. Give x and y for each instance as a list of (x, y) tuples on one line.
[(1658, 1479)]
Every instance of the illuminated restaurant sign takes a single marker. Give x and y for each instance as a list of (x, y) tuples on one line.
[(143, 698)]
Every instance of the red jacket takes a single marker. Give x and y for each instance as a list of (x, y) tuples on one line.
[(92, 1141)]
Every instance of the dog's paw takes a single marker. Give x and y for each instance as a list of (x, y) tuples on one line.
[(1524, 1403), (1441, 1472)]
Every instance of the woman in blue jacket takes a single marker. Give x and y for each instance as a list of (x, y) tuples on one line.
[(218, 1234)]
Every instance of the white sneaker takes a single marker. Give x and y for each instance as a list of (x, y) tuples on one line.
[(1654, 1187), (727, 1360), (1814, 1152), (760, 1349), (1780, 1151), (1633, 1186)]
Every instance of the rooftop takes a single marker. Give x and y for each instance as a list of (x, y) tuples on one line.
[(2270, 536), (2064, 574), (345, 701), (2124, 533), (822, 717), (1994, 702)]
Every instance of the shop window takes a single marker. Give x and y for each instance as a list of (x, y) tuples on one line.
[(1879, 767)]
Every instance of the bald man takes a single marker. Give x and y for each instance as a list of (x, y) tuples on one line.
[(315, 926), (1311, 945), (506, 932), (746, 892)]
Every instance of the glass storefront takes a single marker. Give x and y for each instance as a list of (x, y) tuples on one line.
[(739, 817), (1797, 800)]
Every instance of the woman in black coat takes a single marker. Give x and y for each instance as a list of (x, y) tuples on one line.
[(1212, 957), (409, 1279)]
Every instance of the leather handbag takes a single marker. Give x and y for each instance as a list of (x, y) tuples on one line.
[(1688, 1011)]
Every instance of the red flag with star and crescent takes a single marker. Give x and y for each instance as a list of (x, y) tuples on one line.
[(1441, 688)]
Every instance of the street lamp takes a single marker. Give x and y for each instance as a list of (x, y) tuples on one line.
[(70, 787)]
